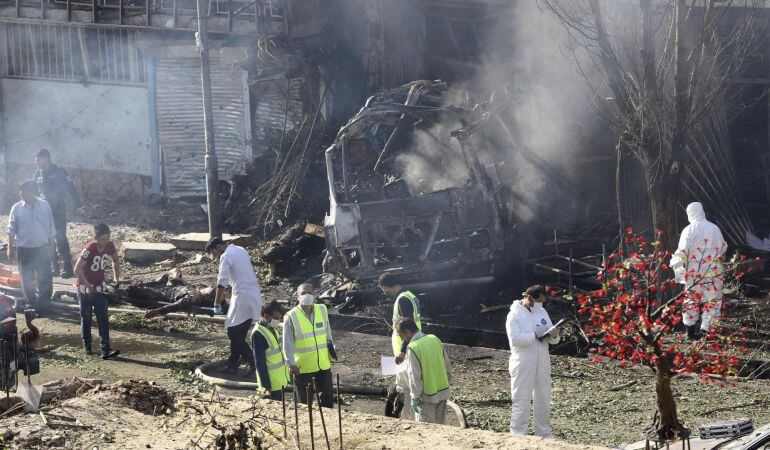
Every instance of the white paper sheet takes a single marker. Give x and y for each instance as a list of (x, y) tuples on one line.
[(389, 366)]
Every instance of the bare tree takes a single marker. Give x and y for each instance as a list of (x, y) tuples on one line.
[(664, 66)]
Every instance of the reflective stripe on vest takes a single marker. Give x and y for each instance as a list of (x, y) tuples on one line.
[(310, 349), (276, 366), (430, 354), (395, 339)]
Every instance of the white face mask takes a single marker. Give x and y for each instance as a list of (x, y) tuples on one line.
[(275, 323), (306, 299)]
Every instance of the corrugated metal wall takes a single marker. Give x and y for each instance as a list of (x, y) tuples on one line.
[(180, 123), (270, 111), (404, 45)]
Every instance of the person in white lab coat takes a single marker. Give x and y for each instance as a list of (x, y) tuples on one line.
[(530, 363), (700, 246), (246, 302)]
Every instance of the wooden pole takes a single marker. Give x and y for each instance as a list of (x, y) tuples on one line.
[(212, 170)]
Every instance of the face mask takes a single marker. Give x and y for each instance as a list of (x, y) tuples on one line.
[(275, 323), (306, 299)]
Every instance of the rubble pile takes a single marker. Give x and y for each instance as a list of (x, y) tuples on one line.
[(141, 395)]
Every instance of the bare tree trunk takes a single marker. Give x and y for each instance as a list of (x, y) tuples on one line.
[(675, 164), (666, 426)]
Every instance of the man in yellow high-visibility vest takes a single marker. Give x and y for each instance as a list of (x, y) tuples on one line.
[(406, 305), (308, 345), (429, 373), (272, 371)]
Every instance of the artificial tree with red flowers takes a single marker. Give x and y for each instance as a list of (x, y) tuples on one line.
[(635, 319)]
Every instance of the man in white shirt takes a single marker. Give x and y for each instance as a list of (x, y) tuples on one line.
[(31, 236), (697, 264), (235, 269)]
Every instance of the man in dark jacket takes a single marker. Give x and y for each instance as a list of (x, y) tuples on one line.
[(53, 184), (272, 371)]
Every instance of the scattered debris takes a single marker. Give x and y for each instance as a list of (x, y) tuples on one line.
[(141, 395), (291, 251)]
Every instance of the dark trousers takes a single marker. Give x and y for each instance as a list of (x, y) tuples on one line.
[(323, 380), (62, 244), (34, 268), (91, 304), (239, 348), (276, 395)]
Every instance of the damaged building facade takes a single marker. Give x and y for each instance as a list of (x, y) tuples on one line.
[(507, 149), (113, 89)]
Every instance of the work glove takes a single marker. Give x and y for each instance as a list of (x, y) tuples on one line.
[(218, 310), (416, 407)]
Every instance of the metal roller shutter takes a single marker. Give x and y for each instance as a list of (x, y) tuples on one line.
[(179, 109)]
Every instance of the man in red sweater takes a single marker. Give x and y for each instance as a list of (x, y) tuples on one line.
[(92, 287)]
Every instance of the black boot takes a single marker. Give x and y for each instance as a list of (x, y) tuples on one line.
[(109, 354)]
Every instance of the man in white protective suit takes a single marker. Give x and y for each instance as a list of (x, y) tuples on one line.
[(697, 266), (530, 363)]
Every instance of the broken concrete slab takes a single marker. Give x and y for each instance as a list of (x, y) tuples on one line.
[(198, 241), (144, 252)]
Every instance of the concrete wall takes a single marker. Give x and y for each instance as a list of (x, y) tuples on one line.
[(94, 127)]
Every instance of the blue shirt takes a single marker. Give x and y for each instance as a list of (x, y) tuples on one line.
[(31, 225)]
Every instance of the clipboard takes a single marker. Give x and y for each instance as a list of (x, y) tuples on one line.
[(550, 330)]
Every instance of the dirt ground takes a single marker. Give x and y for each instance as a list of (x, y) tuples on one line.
[(592, 404), (121, 416)]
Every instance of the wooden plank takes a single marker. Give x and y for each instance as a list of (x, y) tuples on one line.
[(147, 251), (198, 241)]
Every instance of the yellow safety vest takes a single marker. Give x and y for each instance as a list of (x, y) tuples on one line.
[(395, 339), (276, 366), (310, 339), (430, 354)]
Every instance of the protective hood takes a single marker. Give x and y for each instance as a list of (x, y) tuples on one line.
[(695, 212)]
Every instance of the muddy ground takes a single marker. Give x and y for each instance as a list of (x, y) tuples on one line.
[(592, 404)]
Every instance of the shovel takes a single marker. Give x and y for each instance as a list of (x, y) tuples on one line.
[(29, 392)]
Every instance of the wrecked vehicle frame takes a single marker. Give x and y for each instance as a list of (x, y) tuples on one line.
[(379, 220)]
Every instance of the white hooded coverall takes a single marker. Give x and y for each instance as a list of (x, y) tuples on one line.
[(530, 368), (703, 240)]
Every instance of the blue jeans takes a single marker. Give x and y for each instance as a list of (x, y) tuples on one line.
[(94, 304)]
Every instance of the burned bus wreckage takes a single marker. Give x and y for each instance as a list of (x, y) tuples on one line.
[(414, 189)]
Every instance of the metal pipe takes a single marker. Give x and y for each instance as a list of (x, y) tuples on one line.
[(569, 266), (339, 409), (309, 393), (283, 407), (5, 367), (321, 413), (296, 408)]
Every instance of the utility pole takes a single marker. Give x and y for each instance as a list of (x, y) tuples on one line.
[(212, 173)]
